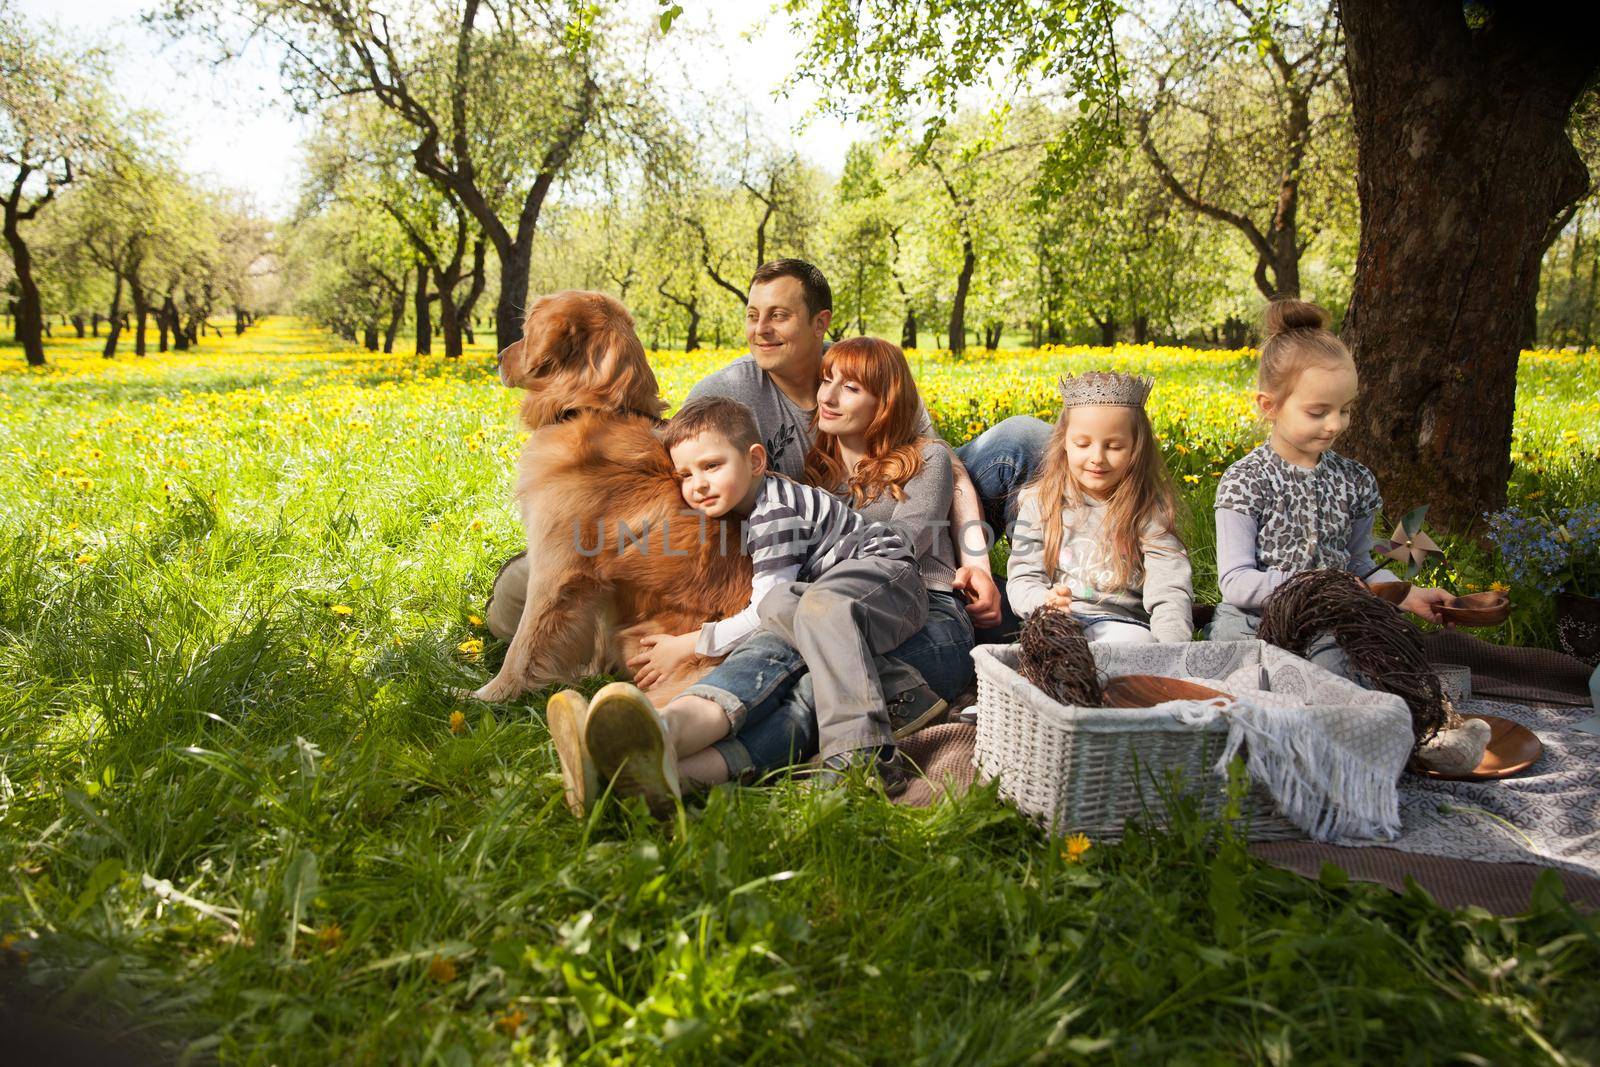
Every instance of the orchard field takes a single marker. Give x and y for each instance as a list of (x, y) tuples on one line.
[(241, 817)]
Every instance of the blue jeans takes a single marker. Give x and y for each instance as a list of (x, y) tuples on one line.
[(1001, 460), (1232, 623), (778, 731)]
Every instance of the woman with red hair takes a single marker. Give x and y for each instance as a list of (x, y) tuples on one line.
[(868, 450)]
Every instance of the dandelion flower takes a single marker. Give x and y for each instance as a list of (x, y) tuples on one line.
[(441, 969), (1074, 847), (458, 722), (329, 937), (470, 647), (1192, 479), (1499, 587), (85, 559), (510, 1022), (474, 620), (342, 609)]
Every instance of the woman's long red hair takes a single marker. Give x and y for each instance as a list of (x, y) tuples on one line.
[(894, 447)]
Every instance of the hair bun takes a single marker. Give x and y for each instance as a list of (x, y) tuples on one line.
[(1287, 313)]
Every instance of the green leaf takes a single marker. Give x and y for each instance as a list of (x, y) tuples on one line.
[(299, 886), (105, 874)]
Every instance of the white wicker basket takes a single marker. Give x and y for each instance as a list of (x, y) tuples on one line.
[(1089, 770)]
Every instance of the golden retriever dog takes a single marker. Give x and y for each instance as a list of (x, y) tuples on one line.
[(614, 553)]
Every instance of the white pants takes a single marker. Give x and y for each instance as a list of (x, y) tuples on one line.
[(1125, 633)]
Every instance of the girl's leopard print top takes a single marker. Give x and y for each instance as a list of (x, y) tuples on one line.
[(1304, 516)]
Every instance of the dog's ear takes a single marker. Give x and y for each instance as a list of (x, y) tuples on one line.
[(619, 373)]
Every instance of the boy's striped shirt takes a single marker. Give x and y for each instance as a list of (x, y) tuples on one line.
[(795, 525)]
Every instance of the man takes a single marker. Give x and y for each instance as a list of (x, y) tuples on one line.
[(786, 324)]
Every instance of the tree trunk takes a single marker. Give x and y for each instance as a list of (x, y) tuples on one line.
[(908, 329), (511, 307), (94, 324), (449, 325), (397, 313), (692, 342), (958, 307), (141, 311), (114, 320), (369, 337), (1141, 329), (469, 304), (29, 321), (1108, 330), (1463, 161), (420, 305), (77, 324)]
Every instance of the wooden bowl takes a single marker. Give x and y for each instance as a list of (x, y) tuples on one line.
[(1489, 608), (1391, 592), (1148, 690), (1513, 748)]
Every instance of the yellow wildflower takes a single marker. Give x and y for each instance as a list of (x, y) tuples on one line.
[(472, 646), (458, 722), (1499, 587), (342, 609), (441, 969), (474, 620), (84, 559), (1075, 846), (1192, 479), (329, 937), (510, 1022)]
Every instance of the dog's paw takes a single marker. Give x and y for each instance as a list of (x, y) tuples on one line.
[(495, 691)]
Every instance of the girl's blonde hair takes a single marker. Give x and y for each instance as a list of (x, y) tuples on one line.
[(894, 447), (1297, 337), (1144, 496)]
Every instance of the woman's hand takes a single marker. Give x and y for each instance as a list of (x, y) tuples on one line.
[(976, 584), (1424, 603), (658, 655), (1059, 596)]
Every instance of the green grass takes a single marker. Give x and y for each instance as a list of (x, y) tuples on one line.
[(234, 590)]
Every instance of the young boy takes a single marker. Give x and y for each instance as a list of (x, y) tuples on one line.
[(838, 588)]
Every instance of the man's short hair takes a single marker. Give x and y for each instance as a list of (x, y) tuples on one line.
[(721, 415), (818, 293)]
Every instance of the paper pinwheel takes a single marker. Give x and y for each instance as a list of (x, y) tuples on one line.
[(1410, 545)]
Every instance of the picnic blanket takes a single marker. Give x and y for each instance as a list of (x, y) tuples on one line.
[(1530, 675), (1465, 842)]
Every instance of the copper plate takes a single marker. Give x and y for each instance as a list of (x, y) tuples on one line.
[(1148, 690), (1489, 608), (1513, 748), (1391, 592)]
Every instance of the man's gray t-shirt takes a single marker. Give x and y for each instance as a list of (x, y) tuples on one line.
[(785, 426)]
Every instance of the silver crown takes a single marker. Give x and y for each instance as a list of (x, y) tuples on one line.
[(1105, 387)]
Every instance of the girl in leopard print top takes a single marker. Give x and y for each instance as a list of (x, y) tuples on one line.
[(1294, 504)]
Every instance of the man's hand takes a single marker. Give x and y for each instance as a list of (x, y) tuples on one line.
[(976, 584), (659, 654), (1424, 603), (1059, 597)]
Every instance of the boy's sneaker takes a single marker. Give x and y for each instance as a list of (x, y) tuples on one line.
[(628, 741), (565, 715), (883, 766), (915, 709)]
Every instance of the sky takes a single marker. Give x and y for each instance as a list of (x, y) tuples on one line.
[(232, 124)]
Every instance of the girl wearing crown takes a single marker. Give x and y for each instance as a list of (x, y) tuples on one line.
[(1094, 531)]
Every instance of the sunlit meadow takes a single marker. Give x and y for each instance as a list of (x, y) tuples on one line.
[(240, 816)]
